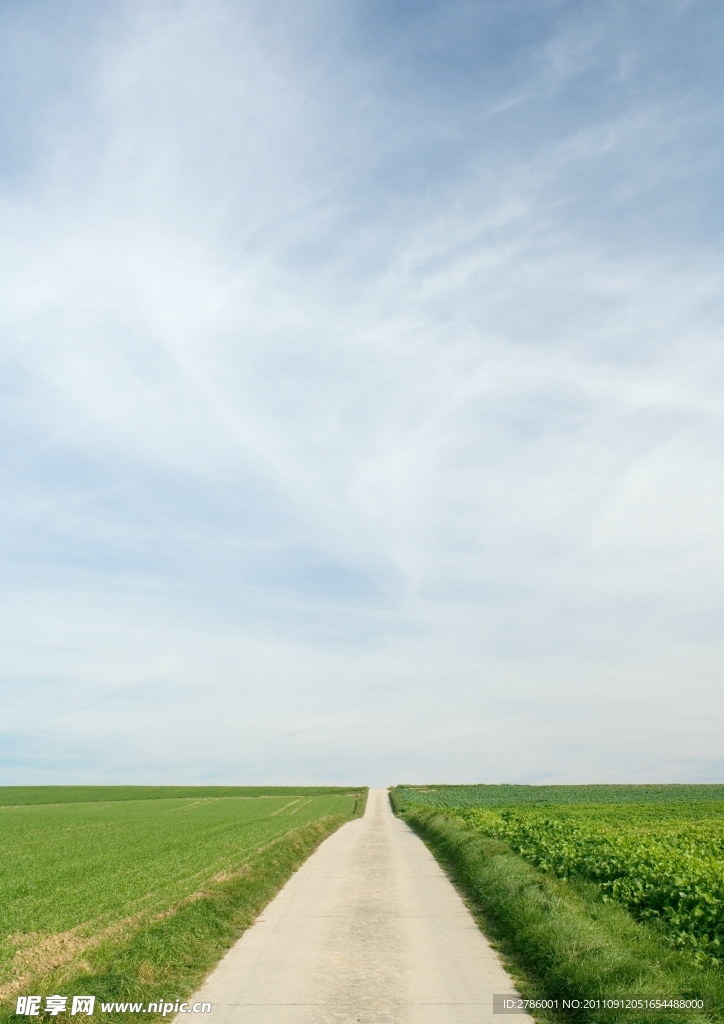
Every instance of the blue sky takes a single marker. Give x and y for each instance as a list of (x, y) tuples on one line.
[(361, 370)]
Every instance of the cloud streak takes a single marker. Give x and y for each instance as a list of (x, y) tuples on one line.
[(361, 393)]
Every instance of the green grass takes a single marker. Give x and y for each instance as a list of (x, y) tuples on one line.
[(137, 899), (559, 939), (507, 796)]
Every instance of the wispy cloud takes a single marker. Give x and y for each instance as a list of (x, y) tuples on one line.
[(361, 374)]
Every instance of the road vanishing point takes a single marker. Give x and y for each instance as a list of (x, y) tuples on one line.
[(368, 931)]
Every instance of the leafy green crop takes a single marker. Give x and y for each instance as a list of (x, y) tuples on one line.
[(665, 863)]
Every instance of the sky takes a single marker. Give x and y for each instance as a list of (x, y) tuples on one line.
[(361, 391)]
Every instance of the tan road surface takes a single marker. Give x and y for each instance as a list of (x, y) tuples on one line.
[(368, 931)]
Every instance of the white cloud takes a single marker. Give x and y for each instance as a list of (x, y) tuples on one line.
[(350, 435)]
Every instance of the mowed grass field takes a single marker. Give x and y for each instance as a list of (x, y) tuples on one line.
[(132, 894), (593, 892)]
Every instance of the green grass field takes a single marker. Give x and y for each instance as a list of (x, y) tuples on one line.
[(590, 891), (122, 895)]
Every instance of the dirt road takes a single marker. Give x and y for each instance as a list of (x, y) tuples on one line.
[(369, 931)]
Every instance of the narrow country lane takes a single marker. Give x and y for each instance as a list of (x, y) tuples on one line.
[(368, 931)]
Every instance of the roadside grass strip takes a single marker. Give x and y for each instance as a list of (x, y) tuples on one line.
[(135, 901), (560, 941)]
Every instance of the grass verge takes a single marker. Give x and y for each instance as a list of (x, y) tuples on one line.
[(166, 958), (560, 941)]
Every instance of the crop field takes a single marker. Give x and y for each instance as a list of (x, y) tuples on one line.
[(82, 880), (660, 862), (445, 797), (661, 859), (93, 794)]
